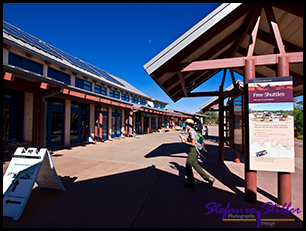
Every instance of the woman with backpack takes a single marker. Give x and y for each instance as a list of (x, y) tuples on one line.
[(192, 159)]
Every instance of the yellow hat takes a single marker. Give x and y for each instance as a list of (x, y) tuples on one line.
[(189, 122)]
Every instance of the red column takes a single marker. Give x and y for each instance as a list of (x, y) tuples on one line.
[(130, 123), (284, 178), (250, 175), (100, 121)]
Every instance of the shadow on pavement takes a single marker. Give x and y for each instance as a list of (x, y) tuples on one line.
[(147, 197)]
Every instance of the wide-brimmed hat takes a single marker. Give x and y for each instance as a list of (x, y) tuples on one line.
[(189, 122)]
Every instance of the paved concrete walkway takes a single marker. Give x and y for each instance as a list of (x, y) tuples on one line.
[(138, 182)]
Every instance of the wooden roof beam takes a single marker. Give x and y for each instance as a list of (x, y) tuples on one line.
[(182, 80), (294, 57), (249, 24), (274, 28)]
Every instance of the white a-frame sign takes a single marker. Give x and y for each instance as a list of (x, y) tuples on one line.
[(26, 168)]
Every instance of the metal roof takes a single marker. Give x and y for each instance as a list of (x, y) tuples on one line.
[(225, 33)]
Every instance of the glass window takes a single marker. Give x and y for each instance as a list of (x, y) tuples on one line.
[(34, 66), (56, 127), (25, 63), (58, 75), (84, 126), (134, 99), (81, 83), (161, 106), (125, 97), (74, 126), (114, 94), (87, 85), (142, 102), (105, 123), (100, 90), (16, 60), (153, 123), (156, 105)]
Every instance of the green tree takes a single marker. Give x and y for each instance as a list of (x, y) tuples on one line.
[(298, 118), (212, 117)]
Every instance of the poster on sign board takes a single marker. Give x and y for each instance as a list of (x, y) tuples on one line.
[(26, 168), (271, 124)]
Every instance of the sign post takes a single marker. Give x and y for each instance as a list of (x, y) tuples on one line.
[(271, 124), (26, 168)]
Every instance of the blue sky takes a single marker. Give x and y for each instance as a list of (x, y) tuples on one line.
[(116, 37)]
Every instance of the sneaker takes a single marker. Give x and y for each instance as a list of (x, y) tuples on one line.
[(210, 184)]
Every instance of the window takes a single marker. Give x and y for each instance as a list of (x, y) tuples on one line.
[(25, 63), (142, 102), (134, 99), (58, 75), (114, 94), (81, 83), (125, 97), (156, 105), (116, 122), (153, 123), (161, 106), (79, 122), (100, 90), (13, 110)]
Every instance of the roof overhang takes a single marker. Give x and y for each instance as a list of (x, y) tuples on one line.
[(10, 72), (224, 36)]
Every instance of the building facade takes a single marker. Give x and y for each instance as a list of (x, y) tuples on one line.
[(51, 98)]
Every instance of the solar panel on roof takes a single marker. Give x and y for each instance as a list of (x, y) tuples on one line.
[(71, 59), (55, 51), (26, 37), (103, 73)]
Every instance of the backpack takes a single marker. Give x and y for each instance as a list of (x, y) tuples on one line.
[(200, 142)]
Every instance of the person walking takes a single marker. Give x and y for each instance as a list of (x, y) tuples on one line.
[(184, 127), (192, 159), (206, 131)]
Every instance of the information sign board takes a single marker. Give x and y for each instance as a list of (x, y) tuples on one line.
[(271, 124), (26, 168)]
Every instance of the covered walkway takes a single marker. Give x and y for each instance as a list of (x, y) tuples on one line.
[(254, 40)]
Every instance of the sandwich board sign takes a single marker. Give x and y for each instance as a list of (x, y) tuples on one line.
[(26, 168)]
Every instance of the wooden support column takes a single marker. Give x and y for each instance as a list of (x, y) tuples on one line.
[(221, 126), (250, 175), (129, 122), (283, 178), (98, 123)]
